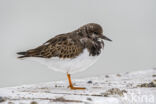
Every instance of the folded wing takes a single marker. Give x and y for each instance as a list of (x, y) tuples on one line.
[(60, 46)]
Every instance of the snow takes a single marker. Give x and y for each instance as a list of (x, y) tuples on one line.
[(120, 88)]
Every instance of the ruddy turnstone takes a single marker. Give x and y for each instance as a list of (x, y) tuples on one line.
[(70, 52)]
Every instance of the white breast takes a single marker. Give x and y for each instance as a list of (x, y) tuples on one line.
[(80, 63)]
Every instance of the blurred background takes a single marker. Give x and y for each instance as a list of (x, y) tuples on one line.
[(25, 24)]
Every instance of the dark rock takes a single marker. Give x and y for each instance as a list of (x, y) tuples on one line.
[(11, 103), (90, 99), (33, 102), (119, 75), (151, 84), (114, 91), (89, 82), (107, 76), (62, 99), (2, 99)]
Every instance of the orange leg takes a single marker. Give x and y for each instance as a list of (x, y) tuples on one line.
[(71, 85)]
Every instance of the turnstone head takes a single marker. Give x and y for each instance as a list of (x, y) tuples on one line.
[(70, 52)]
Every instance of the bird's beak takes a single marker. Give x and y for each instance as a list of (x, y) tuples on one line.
[(105, 38)]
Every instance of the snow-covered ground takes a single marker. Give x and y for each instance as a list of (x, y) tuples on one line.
[(122, 88)]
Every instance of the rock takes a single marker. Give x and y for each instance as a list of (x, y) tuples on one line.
[(118, 75), (11, 102), (62, 99), (89, 82), (114, 91), (107, 76), (2, 99), (151, 84), (33, 102), (89, 99)]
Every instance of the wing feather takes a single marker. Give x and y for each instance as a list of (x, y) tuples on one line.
[(60, 46)]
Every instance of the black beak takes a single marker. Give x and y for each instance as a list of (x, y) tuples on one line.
[(105, 38)]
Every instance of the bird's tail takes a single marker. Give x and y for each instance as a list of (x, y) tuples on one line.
[(22, 54), (29, 53)]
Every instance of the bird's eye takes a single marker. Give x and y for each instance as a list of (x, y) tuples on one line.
[(95, 33)]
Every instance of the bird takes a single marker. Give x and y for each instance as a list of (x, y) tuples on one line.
[(70, 52)]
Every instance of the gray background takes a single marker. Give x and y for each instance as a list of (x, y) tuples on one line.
[(25, 24)]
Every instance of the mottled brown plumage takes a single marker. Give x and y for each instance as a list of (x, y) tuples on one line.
[(72, 44)]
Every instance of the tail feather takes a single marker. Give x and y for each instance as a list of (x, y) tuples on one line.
[(30, 53), (23, 54)]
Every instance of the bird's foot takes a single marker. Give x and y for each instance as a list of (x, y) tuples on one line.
[(77, 88)]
